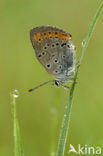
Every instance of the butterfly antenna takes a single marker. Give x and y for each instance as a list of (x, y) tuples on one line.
[(32, 89)]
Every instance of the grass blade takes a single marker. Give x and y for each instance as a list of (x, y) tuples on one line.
[(66, 120), (18, 151)]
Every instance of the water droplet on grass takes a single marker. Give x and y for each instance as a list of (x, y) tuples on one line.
[(15, 93), (83, 43)]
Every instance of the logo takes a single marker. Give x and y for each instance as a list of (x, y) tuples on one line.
[(84, 149)]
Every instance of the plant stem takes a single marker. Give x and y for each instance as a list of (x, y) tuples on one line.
[(18, 151), (66, 120)]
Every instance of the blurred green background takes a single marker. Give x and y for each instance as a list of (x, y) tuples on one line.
[(40, 113)]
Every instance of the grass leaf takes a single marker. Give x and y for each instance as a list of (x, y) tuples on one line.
[(18, 150)]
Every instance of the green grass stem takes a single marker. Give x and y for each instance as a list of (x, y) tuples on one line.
[(18, 151), (66, 119)]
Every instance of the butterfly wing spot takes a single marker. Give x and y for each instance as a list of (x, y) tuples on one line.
[(43, 53), (63, 56), (55, 60), (57, 44), (48, 45), (34, 37), (45, 47), (53, 45), (52, 56), (68, 46), (56, 71), (56, 33), (63, 44), (60, 66), (39, 55), (39, 39), (48, 66)]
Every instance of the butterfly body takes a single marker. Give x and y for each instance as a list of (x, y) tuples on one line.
[(55, 51)]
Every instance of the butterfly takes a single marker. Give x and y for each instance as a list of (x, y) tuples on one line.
[(55, 51)]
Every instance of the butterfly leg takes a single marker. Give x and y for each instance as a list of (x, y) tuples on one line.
[(67, 88)]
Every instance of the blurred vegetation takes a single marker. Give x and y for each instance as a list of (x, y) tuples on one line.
[(40, 113)]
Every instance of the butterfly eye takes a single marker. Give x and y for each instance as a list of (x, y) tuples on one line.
[(56, 83)]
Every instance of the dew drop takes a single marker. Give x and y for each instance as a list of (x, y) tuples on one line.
[(15, 93), (83, 43)]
